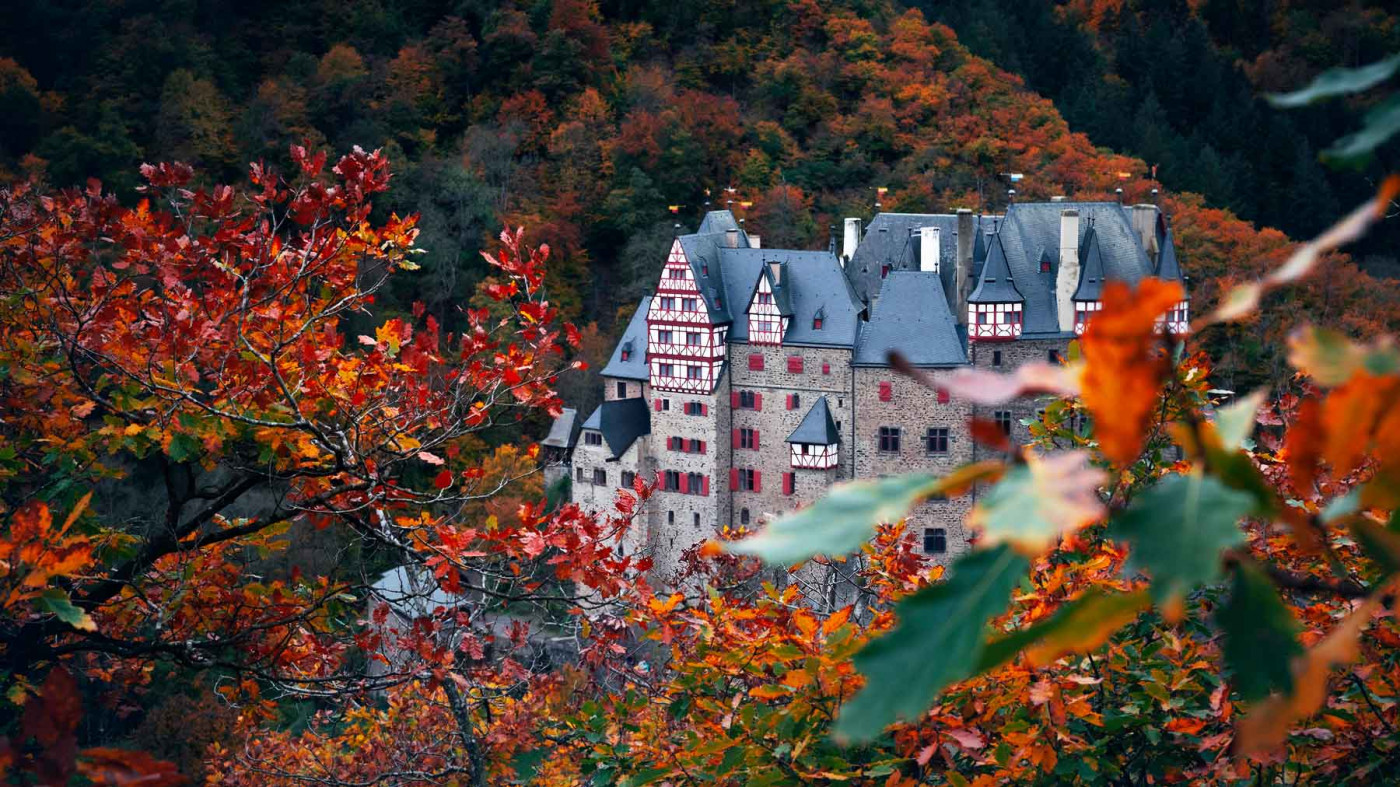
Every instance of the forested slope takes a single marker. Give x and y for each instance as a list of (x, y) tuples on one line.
[(585, 120)]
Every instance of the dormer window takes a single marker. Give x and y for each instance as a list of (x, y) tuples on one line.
[(816, 323), (704, 269), (626, 354), (765, 297), (884, 271), (1044, 266)]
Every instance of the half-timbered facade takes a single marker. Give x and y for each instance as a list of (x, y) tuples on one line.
[(762, 376)]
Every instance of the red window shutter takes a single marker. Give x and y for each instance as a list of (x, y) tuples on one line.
[(685, 483), (733, 400), (942, 396), (757, 481), (704, 409), (758, 401), (755, 439), (795, 364), (789, 401), (755, 362), (658, 405), (787, 483), (826, 367), (705, 486), (702, 446), (735, 440), (733, 479), (886, 392)]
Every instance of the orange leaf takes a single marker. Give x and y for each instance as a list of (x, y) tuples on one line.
[(986, 432), (1123, 374), (121, 768), (1303, 445), (1351, 412)]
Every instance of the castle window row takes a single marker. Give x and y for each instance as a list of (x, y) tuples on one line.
[(685, 483), (685, 446), (746, 400), (936, 439)]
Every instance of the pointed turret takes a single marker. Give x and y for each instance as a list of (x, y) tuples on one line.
[(995, 307)]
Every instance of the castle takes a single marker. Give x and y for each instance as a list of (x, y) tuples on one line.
[(753, 379)]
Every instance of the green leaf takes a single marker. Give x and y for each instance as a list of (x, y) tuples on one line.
[(184, 447), (844, 519), (526, 763), (939, 640), (1080, 625), (57, 603), (1036, 502), (1235, 421), (1337, 82), (1261, 635), (1379, 124), (1177, 529)]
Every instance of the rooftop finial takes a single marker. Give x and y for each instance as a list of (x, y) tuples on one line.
[(1119, 191)]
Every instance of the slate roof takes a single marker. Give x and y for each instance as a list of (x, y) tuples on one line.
[(562, 433), (1091, 269), (1167, 266), (812, 282), (889, 240), (817, 427), (621, 421), (1032, 229), (911, 316), (995, 285), (633, 339)]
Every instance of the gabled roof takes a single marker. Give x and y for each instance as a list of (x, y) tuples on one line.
[(621, 421), (717, 221), (562, 433), (996, 284), (812, 282), (817, 427), (634, 340), (1032, 226), (889, 240), (1091, 269), (911, 316), (1167, 266)]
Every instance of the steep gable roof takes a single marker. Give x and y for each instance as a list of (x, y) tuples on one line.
[(1032, 226), (817, 427), (562, 433), (911, 316), (812, 282), (621, 421), (634, 341), (1091, 269), (1168, 267), (996, 284)]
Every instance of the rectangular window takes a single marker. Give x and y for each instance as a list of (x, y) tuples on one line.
[(748, 480), (884, 271), (621, 390), (889, 439), (629, 479), (755, 362), (579, 475), (592, 438), (937, 440), (693, 339), (664, 337), (600, 477), (765, 297), (695, 483), (689, 304), (664, 370), (693, 372), (748, 438), (935, 541), (671, 481), (695, 408), (795, 364), (1003, 419), (996, 357), (1053, 356), (886, 391), (697, 446)]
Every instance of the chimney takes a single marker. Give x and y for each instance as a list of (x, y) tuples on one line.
[(1058, 198), (776, 268), (930, 247), (1067, 277), (754, 242), (1144, 218), (962, 275), (831, 238), (852, 239), (731, 238)]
